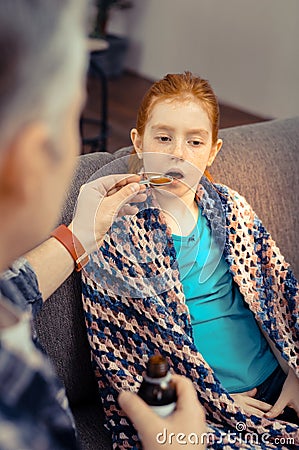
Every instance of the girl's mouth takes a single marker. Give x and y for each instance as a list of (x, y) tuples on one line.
[(176, 174)]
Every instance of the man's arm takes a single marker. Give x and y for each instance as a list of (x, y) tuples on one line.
[(52, 264)]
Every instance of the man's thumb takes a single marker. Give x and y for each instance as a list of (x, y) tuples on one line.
[(137, 410)]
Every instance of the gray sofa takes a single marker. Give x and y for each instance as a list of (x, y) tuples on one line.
[(261, 162)]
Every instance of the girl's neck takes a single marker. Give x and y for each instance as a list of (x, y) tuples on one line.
[(181, 213)]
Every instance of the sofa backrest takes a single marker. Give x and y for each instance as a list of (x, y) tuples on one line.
[(260, 161)]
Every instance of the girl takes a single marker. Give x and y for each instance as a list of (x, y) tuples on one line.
[(194, 276)]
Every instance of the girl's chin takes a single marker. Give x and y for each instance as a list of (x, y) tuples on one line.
[(176, 188)]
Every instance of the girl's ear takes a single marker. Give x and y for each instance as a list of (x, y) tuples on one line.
[(137, 142), (214, 151)]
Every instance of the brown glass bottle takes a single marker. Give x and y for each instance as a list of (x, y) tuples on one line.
[(157, 388)]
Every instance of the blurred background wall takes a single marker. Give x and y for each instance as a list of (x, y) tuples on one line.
[(247, 49)]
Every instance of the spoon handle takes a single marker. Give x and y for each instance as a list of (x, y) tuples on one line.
[(144, 182)]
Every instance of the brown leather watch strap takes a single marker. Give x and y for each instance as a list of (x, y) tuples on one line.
[(64, 235)]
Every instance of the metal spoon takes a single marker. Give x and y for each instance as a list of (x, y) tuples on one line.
[(157, 180)]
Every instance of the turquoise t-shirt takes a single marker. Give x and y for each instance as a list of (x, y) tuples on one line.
[(224, 329)]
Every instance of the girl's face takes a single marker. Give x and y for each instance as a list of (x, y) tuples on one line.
[(177, 141)]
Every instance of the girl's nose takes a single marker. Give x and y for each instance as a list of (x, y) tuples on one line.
[(180, 149)]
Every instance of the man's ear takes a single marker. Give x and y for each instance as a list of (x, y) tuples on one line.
[(24, 164), (137, 142), (214, 151)]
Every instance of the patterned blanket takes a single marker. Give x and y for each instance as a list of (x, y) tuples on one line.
[(135, 307)]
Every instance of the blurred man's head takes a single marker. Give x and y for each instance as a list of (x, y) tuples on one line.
[(42, 70)]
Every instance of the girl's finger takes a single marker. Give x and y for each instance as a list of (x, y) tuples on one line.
[(263, 406), (277, 408)]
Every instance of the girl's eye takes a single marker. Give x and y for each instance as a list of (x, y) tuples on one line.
[(163, 138), (195, 143)]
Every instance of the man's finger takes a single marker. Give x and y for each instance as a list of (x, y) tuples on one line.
[(117, 180), (186, 394), (128, 210), (125, 194), (138, 411), (129, 179), (117, 187)]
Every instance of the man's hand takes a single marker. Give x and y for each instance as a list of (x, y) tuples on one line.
[(187, 418), (289, 396), (249, 404), (99, 202)]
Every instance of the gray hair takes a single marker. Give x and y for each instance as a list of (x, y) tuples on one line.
[(42, 60)]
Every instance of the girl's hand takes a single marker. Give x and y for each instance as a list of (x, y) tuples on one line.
[(289, 396), (251, 405)]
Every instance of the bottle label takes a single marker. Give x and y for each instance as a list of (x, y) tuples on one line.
[(164, 410), (159, 380)]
